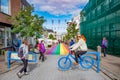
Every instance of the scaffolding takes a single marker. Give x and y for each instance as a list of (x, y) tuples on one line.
[(102, 20)]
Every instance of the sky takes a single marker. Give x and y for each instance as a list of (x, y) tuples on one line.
[(57, 12)]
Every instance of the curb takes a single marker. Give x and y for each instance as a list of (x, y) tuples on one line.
[(110, 74), (107, 73)]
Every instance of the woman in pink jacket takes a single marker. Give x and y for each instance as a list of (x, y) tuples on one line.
[(42, 50)]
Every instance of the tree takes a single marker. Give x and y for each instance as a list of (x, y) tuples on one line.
[(66, 37), (26, 24), (72, 31), (51, 37)]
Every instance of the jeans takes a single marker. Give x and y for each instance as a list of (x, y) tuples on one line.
[(41, 56), (104, 52), (25, 62), (78, 54)]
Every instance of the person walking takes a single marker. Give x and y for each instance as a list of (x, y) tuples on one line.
[(37, 48), (16, 43), (104, 45), (23, 54), (42, 51)]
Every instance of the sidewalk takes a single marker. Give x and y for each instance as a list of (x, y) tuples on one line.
[(110, 65), (3, 65)]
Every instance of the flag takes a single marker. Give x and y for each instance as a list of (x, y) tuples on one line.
[(59, 22), (65, 20), (52, 22)]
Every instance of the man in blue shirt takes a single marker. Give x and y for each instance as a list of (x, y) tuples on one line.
[(71, 42)]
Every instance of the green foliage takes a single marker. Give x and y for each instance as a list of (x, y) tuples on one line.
[(71, 31), (66, 37), (26, 24), (51, 37)]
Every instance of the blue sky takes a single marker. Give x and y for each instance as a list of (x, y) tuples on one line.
[(57, 12)]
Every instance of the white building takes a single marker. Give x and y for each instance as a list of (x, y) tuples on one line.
[(76, 20)]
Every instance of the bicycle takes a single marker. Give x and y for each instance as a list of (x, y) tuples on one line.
[(86, 62)]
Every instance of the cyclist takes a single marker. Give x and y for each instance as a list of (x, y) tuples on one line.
[(80, 48)]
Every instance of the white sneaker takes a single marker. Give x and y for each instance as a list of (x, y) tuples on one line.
[(19, 74), (26, 73)]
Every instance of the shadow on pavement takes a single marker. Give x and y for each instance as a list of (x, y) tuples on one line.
[(32, 66)]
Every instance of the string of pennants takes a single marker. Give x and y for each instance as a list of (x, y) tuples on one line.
[(58, 28), (59, 21)]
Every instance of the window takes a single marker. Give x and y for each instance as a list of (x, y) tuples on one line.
[(23, 7), (2, 34), (5, 37), (4, 6)]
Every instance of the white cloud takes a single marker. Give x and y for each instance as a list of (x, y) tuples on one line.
[(59, 7), (48, 8)]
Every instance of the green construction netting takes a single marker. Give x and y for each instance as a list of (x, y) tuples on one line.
[(104, 24)]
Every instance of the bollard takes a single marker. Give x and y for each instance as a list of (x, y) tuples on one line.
[(99, 49), (98, 61), (8, 58)]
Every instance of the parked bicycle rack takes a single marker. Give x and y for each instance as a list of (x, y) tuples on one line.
[(97, 60), (13, 56)]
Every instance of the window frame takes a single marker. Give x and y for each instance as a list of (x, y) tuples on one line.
[(8, 7)]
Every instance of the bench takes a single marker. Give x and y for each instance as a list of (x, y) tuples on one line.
[(14, 56)]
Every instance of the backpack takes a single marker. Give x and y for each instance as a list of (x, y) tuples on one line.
[(106, 44), (20, 52)]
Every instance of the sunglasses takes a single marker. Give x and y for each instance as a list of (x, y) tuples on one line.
[(78, 36)]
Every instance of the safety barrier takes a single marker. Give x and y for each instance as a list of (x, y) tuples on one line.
[(32, 57)]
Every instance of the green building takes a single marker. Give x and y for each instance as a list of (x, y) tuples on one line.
[(101, 18)]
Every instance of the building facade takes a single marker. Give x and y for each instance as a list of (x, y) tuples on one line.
[(8, 8), (101, 18), (76, 20)]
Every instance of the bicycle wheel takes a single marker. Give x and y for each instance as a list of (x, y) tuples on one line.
[(64, 63), (87, 62)]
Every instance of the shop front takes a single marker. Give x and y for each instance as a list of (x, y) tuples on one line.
[(5, 37)]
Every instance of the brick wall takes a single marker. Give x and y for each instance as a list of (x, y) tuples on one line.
[(4, 18), (15, 8)]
